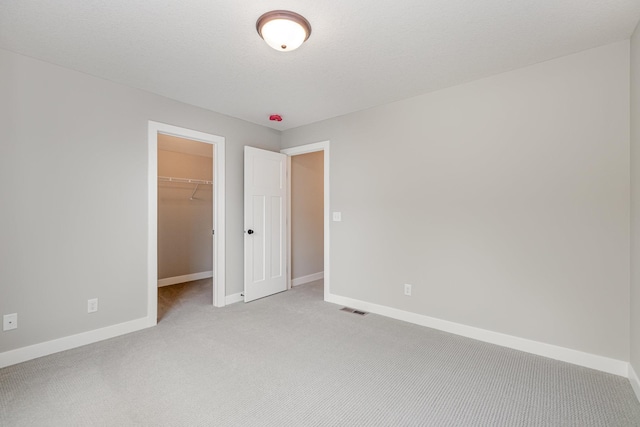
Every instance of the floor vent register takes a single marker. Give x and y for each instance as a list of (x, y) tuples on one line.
[(354, 311)]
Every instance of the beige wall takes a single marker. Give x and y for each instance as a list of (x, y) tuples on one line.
[(635, 201), (307, 214), (185, 245), (504, 202), (73, 188)]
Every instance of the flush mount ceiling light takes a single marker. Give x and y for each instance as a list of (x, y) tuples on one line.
[(283, 30)]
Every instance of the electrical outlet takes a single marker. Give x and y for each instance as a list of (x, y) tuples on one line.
[(9, 321), (407, 289), (337, 216), (92, 305)]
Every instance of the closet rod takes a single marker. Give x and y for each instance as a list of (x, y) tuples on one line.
[(183, 180)]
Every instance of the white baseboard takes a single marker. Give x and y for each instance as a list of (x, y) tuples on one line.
[(306, 279), (231, 299), (593, 361), (635, 382), (23, 354), (186, 278)]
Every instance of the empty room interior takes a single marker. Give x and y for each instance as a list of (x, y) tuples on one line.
[(388, 213)]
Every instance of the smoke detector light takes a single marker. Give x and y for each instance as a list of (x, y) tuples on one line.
[(283, 30)]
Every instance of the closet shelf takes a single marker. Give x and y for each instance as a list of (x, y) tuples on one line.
[(183, 180)]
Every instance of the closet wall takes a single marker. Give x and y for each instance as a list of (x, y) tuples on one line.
[(184, 218), (307, 215)]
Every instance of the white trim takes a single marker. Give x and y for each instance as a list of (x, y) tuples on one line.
[(593, 361), (23, 354), (232, 299), (307, 279), (152, 223), (289, 220), (219, 282), (219, 246), (167, 281), (311, 148), (635, 382), (304, 149)]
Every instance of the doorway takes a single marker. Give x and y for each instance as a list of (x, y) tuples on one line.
[(301, 271), (158, 131), (185, 222), (307, 218)]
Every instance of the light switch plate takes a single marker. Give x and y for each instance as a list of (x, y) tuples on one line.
[(9, 321)]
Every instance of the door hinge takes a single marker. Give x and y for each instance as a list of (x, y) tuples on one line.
[(213, 232)]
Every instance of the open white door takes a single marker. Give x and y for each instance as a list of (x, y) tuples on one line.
[(265, 207)]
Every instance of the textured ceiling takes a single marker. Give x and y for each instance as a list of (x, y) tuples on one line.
[(361, 53)]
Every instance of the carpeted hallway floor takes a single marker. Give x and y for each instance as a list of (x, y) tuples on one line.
[(294, 360)]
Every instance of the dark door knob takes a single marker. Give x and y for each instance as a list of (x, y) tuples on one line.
[(250, 231)]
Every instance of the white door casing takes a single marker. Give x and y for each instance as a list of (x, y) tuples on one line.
[(304, 149), (219, 252), (265, 226)]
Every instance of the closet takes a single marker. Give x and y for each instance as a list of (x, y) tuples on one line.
[(185, 210)]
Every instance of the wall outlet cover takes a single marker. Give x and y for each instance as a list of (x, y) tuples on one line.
[(92, 305), (407, 289)]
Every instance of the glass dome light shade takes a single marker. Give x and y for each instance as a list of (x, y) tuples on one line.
[(283, 30)]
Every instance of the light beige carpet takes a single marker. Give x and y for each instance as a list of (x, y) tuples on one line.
[(294, 360)]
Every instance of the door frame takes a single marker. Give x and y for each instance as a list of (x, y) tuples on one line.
[(295, 151), (218, 142)]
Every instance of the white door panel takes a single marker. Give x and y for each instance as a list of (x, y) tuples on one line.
[(265, 196)]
